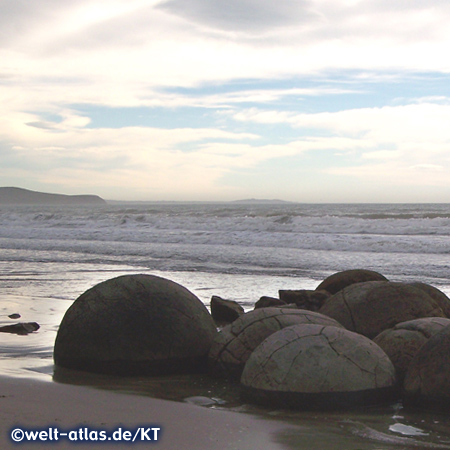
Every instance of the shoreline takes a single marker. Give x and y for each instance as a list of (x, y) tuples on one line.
[(32, 403)]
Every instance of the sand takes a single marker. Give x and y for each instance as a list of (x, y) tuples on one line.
[(30, 403)]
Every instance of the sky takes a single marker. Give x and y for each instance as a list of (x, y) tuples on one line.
[(306, 100)]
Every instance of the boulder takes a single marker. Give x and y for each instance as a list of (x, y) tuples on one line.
[(402, 342), (437, 295), (316, 366), (135, 324), (374, 306), (233, 345), (340, 280), (225, 311), (304, 298), (427, 380), (267, 302)]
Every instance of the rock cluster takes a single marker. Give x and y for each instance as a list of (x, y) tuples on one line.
[(358, 339), (235, 343)]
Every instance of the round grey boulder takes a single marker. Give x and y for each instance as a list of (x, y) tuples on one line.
[(234, 344), (402, 342), (340, 280), (374, 306), (427, 380), (316, 366), (135, 324)]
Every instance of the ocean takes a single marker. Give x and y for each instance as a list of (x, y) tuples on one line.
[(49, 255)]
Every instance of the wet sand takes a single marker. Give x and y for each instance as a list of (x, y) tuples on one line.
[(37, 404)]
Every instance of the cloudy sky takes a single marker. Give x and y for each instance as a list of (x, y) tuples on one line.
[(302, 100)]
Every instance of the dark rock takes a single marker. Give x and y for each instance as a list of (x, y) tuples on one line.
[(14, 316), (233, 345), (267, 302), (20, 328), (371, 307), (135, 324), (402, 342), (438, 296), (305, 299), (316, 366), (427, 380), (225, 311), (340, 280)]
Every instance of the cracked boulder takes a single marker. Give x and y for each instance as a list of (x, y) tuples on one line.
[(427, 380), (374, 306), (135, 324), (318, 367), (402, 342), (340, 280), (233, 345)]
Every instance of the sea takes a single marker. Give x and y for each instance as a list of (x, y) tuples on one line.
[(49, 255)]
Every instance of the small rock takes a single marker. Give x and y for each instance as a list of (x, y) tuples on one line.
[(20, 328), (14, 316), (225, 311), (267, 302), (305, 299)]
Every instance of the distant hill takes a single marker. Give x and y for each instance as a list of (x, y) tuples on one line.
[(19, 196), (256, 200)]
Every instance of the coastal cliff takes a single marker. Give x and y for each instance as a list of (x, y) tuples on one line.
[(19, 196)]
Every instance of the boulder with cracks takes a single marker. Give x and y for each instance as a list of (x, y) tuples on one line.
[(234, 344), (374, 306), (317, 366)]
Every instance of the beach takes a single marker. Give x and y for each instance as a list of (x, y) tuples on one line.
[(34, 404)]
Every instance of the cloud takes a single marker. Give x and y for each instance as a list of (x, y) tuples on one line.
[(248, 16), (405, 144), (249, 66), (121, 52)]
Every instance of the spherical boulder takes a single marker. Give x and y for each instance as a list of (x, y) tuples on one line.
[(316, 366), (402, 342), (437, 295), (373, 306), (233, 345), (340, 280), (135, 324), (427, 380)]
